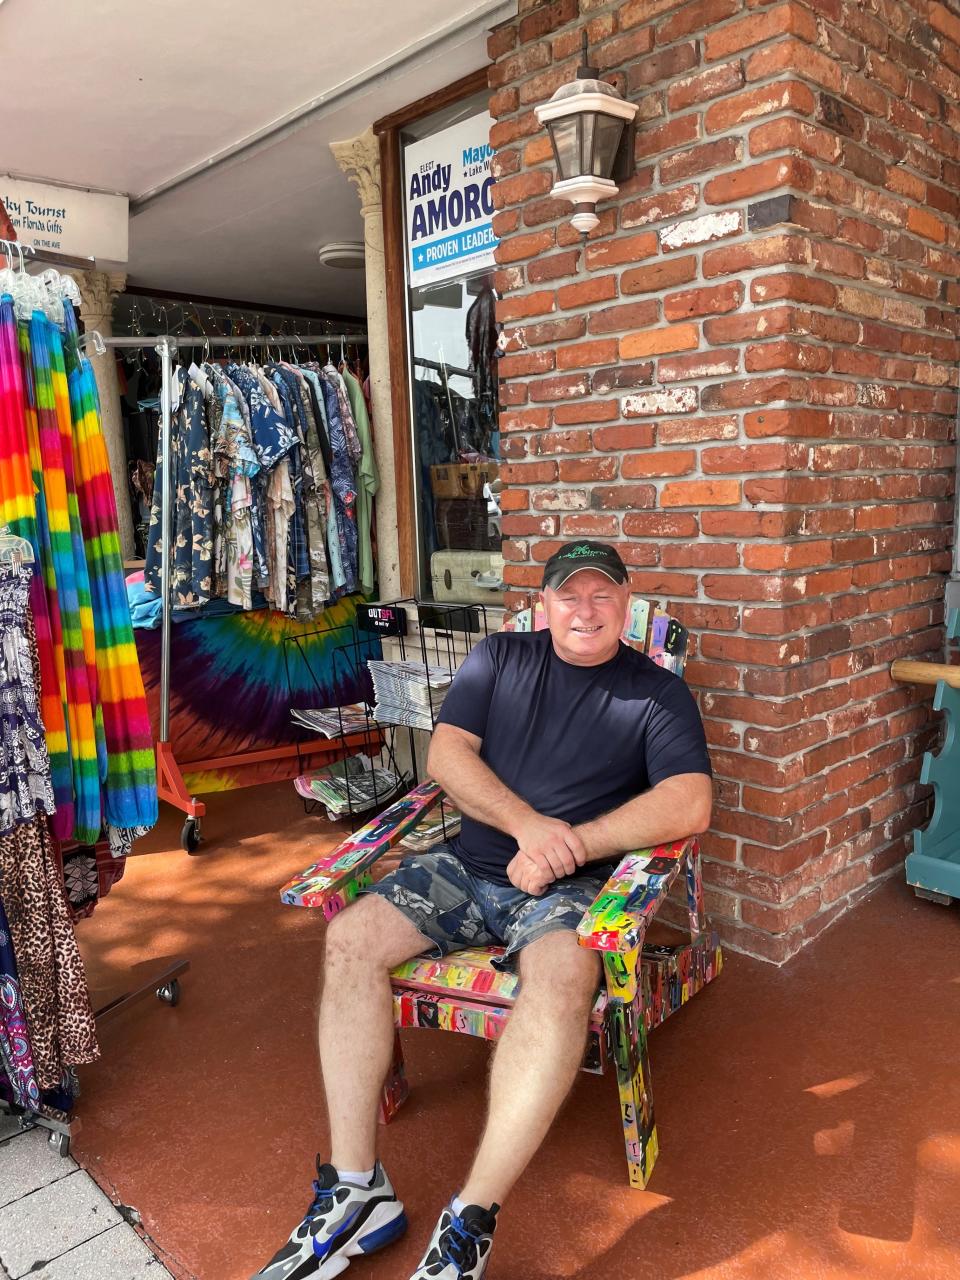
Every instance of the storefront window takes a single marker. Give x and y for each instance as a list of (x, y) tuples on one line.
[(449, 241)]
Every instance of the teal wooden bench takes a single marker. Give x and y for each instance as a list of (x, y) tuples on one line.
[(933, 868)]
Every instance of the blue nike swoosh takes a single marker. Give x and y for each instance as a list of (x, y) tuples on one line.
[(324, 1249)]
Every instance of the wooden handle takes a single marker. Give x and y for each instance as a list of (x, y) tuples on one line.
[(925, 672)]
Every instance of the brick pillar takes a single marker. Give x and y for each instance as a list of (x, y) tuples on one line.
[(746, 377)]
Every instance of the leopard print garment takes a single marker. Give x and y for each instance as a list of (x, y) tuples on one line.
[(53, 983), (52, 978)]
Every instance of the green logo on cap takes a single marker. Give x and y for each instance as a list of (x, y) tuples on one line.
[(574, 552)]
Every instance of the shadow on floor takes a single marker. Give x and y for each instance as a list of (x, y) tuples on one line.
[(807, 1115)]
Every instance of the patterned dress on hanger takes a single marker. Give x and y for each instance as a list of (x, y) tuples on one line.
[(25, 785), (53, 985), (16, 1055), (312, 595), (191, 512), (344, 486), (235, 463)]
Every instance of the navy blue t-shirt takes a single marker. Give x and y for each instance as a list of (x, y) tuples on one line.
[(574, 742)]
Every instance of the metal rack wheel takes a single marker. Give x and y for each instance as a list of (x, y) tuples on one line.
[(169, 993), (61, 1141), (190, 836)]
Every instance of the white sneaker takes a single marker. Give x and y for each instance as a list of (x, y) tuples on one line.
[(343, 1221), (460, 1246)]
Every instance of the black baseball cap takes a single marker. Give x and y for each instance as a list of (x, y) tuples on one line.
[(574, 556)]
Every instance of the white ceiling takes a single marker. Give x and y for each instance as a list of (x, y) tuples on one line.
[(131, 97)]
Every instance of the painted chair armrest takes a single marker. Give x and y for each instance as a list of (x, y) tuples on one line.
[(618, 917), (335, 878)]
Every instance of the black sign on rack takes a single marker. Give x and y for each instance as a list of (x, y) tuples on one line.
[(385, 619), (450, 618)]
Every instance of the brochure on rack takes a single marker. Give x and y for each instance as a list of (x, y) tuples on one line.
[(353, 785), (333, 722), (439, 824), (409, 693)]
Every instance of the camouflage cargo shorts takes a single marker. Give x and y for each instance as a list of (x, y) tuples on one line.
[(456, 909)]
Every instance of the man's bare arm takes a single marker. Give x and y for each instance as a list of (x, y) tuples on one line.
[(454, 761), (675, 808), (547, 844)]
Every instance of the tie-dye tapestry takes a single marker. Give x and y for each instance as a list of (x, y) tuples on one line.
[(229, 690)]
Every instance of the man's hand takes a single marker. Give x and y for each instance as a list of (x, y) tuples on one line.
[(527, 876), (548, 850)]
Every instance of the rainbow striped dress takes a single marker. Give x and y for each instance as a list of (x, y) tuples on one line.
[(57, 492)]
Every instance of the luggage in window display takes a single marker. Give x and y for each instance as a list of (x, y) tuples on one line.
[(464, 524), (462, 479), (467, 577)]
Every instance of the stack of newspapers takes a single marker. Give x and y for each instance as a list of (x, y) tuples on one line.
[(333, 722), (408, 692), (436, 826), (353, 785)]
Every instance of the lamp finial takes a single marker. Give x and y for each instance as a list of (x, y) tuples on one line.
[(585, 71)]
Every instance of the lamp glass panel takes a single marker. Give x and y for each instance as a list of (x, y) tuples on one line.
[(565, 136), (606, 138), (588, 133)]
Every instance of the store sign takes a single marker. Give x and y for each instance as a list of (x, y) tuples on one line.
[(449, 199), (387, 619), (79, 224)]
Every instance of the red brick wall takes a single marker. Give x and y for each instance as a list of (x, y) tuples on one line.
[(746, 377)]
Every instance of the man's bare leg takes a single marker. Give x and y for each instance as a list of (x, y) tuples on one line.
[(356, 1021), (536, 1061)]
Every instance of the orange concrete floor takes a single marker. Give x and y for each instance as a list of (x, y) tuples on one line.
[(809, 1117)]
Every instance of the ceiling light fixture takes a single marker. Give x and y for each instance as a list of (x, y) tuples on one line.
[(346, 254)]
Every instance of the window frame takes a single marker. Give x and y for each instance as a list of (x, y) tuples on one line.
[(389, 130)]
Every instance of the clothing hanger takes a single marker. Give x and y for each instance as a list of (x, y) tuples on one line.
[(12, 250), (32, 293), (14, 550), (196, 371)]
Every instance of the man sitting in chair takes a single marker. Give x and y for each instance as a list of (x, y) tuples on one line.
[(564, 749)]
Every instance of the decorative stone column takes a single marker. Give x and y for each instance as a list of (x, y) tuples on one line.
[(98, 290), (359, 158)]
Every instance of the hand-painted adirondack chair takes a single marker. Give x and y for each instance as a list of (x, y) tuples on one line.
[(642, 986)]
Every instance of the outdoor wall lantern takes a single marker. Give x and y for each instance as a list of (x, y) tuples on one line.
[(592, 132)]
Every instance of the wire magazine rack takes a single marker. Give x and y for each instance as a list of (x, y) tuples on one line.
[(438, 637)]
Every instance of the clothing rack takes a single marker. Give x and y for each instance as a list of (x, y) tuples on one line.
[(165, 985), (447, 369), (44, 257), (170, 784)]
